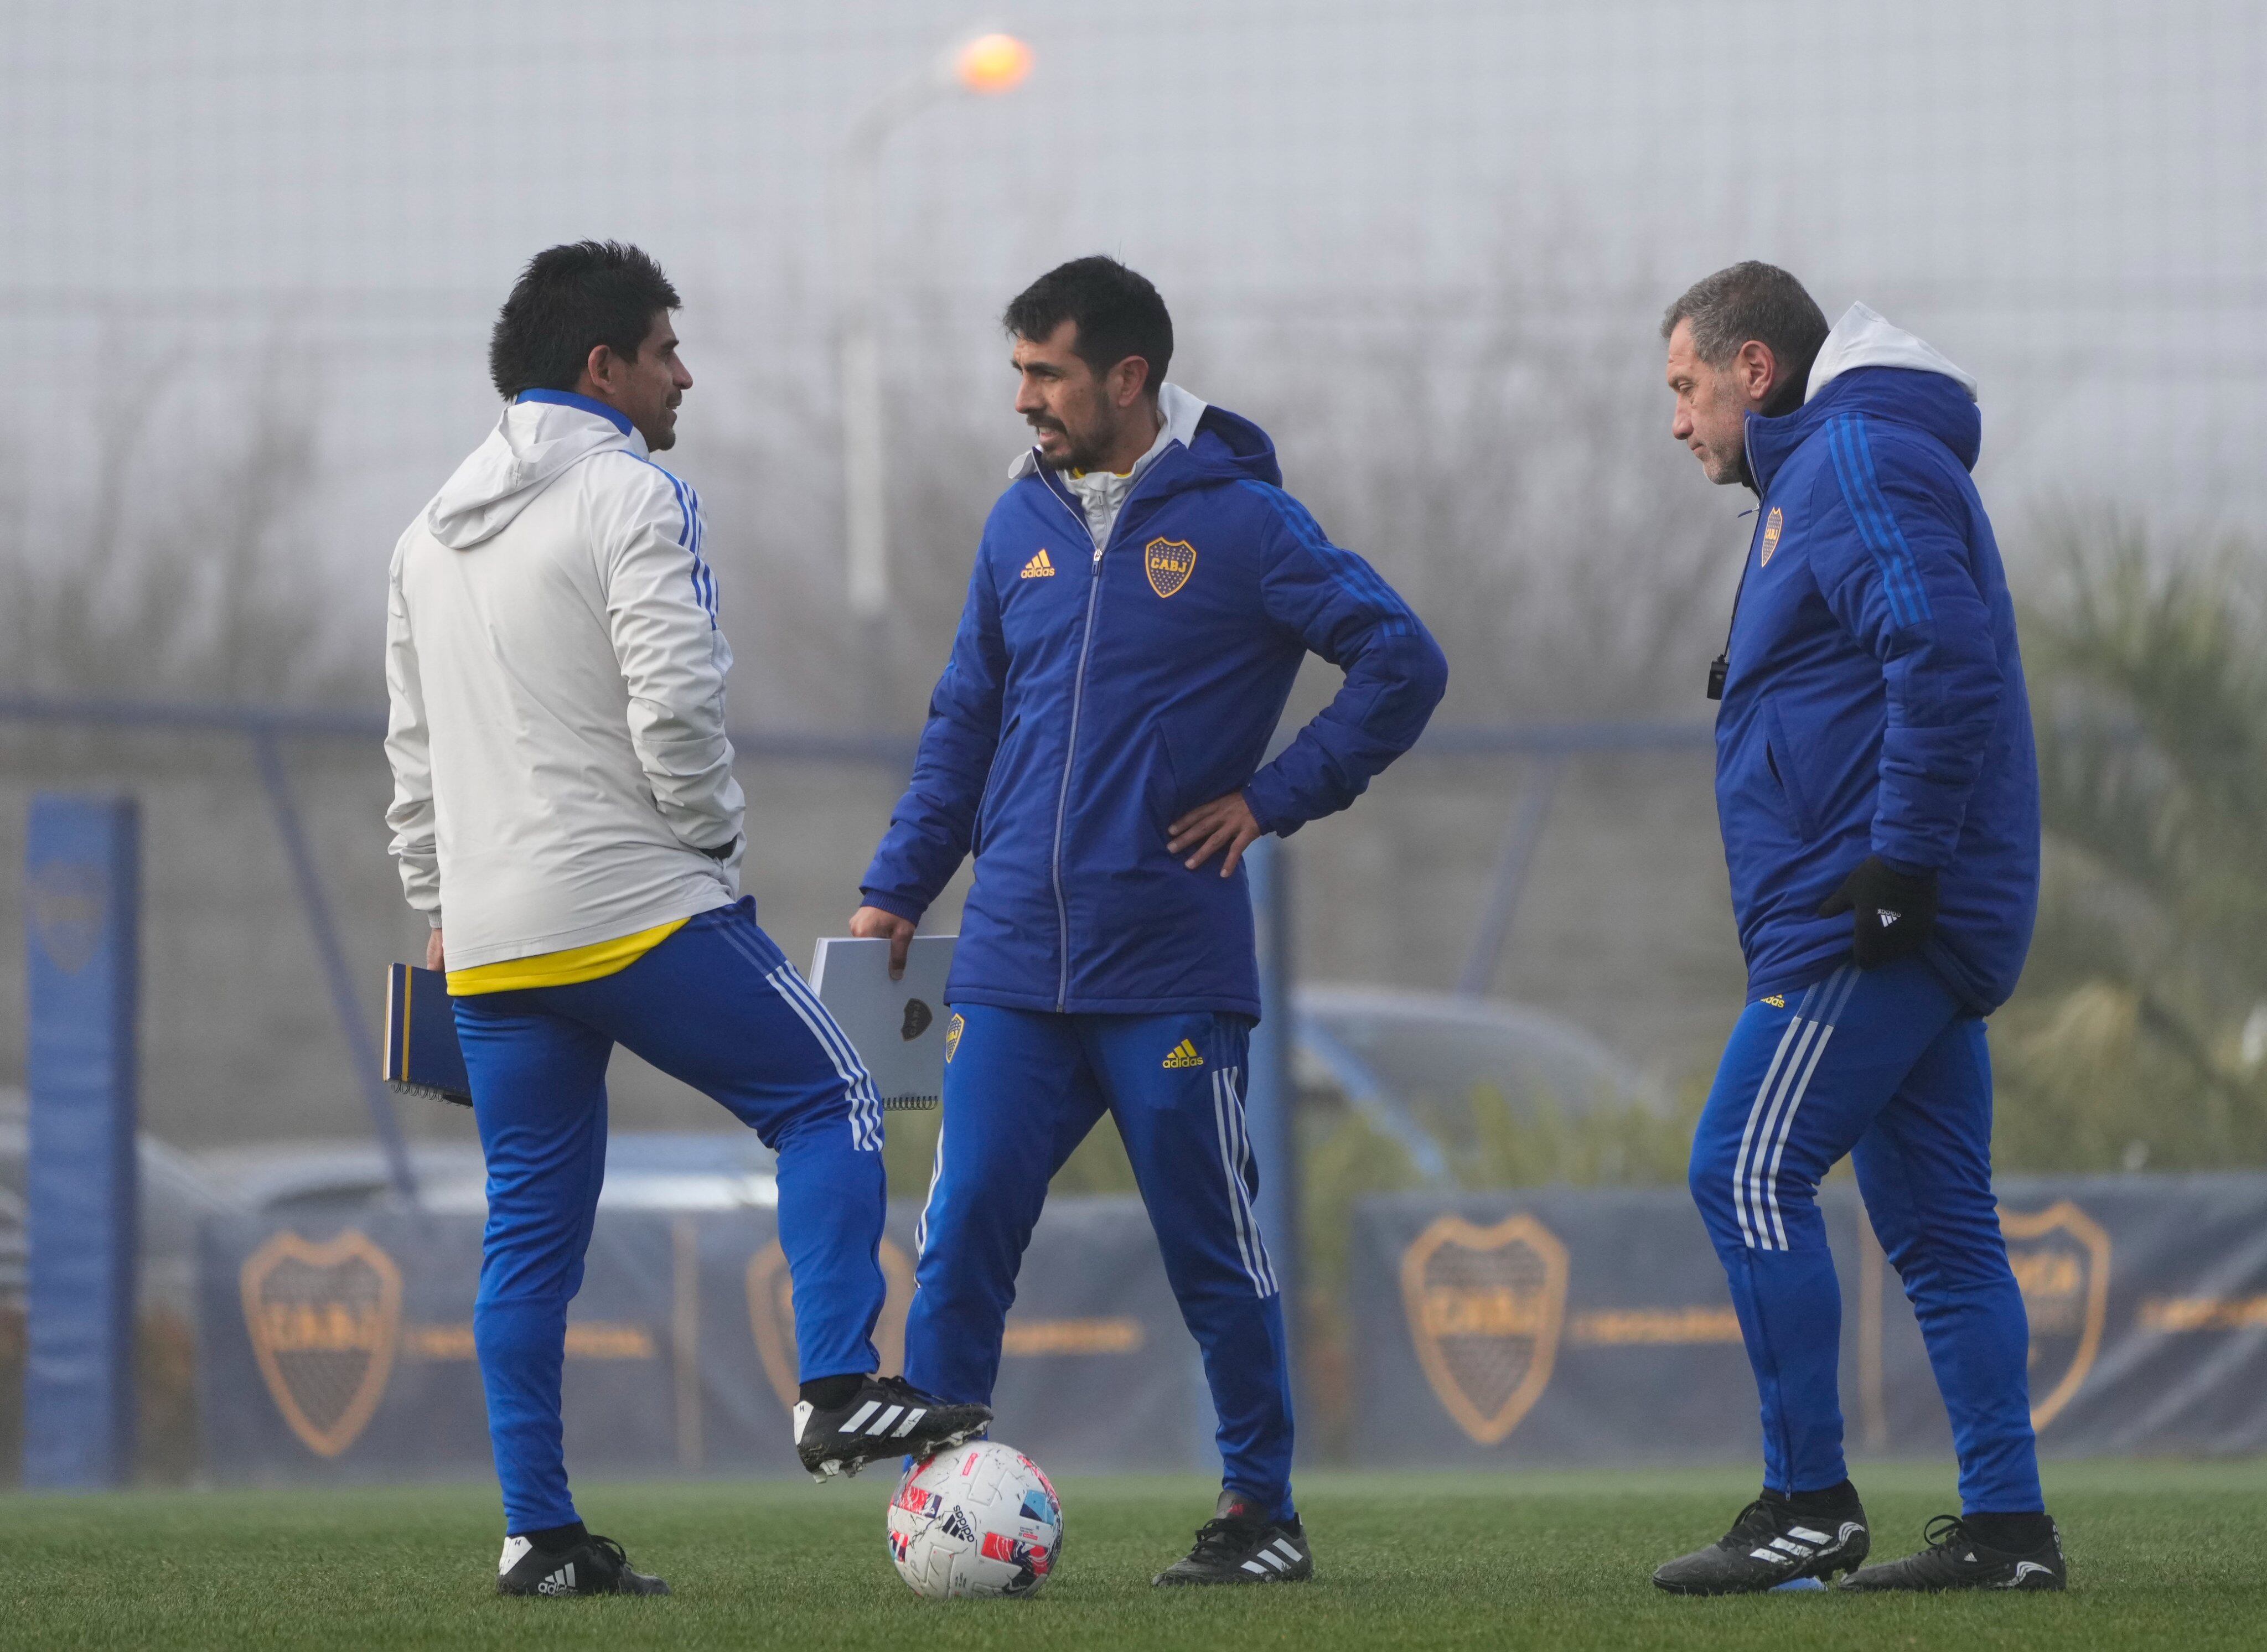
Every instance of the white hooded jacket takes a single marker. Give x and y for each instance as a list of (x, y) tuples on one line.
[(556, 679)]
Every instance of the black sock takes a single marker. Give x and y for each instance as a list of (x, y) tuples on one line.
[(2010, 1534), (1831, 1501), (557, 1539), (827, 1392)]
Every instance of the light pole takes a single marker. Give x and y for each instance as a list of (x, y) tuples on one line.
[(987, 66)]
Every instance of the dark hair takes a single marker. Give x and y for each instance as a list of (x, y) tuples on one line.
[(1752, 301), (569, 301), (1117, 312)]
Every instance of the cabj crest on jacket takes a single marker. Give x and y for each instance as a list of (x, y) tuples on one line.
[(1875, 702), (1081, 712)]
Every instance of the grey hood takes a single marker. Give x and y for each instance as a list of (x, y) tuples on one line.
[(533, 445), (1862, 338)]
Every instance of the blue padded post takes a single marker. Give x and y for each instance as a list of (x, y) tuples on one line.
[(83, 907)]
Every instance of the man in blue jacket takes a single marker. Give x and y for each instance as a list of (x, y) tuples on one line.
[(1142, 597), (1879, 796)]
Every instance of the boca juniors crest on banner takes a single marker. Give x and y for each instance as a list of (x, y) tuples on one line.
[(325, 1319), (1484, 1307), (2061, 1260)]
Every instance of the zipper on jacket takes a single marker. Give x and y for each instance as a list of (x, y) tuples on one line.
[(1070, 745), (1078, 701)]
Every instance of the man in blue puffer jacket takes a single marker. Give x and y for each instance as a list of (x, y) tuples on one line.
[(1142, 597), (1879, 796)]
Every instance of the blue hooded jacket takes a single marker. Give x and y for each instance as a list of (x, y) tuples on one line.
[(1875, 700), (1095, 693)]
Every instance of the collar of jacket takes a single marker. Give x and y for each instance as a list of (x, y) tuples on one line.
[(1938, 405), (614, 416)]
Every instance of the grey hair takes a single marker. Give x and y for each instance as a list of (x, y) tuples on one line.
[(1751, 301)]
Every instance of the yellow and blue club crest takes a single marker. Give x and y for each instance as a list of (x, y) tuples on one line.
[(1170, 564), (1771, 525)]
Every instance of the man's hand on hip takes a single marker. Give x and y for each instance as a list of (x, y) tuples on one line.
[(872, 923), (1225, 823)]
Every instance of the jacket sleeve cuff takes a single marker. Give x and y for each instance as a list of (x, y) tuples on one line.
[(883, 901), (1899, 858), (1272, 810)]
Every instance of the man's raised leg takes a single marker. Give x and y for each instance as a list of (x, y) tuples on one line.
[(717, 1006)]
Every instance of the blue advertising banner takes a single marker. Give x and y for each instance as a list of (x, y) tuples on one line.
[(335, 1351), (1570, 1326), (81, 901)]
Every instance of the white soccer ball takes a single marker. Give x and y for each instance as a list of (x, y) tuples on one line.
[(978, 1520)]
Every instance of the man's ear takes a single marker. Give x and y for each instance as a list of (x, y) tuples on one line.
[(1125, 381), (598, 362), (1757, 371)]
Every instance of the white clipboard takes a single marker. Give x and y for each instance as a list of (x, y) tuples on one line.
[(898, 1027)]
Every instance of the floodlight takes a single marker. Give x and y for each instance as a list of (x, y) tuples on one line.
[(993, 63)]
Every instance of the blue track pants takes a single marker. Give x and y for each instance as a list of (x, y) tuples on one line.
[(1022, 1089), (1881, 1064), (718, 1007)]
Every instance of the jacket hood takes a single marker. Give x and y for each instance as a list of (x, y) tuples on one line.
[(1221, 445), (541, 434), (1862, 338), (1229, 447), (1869, 366)]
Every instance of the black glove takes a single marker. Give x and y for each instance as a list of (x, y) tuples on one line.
[(1894, 911)]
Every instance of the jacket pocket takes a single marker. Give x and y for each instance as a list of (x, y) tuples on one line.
[(1000, 758), (1778, 752), (1167, 804)]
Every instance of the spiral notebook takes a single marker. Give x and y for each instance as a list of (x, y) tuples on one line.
[(901, 1029), (422, 1057)]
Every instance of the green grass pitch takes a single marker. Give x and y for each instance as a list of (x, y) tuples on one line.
[(2161, 1555)]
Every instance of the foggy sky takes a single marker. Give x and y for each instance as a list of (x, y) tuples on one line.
[(2068, 196)]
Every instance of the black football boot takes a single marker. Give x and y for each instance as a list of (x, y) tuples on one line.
[(1241, 1544), (887, 1417), (1956, 1557), (1771, 1545), (587, 1564)]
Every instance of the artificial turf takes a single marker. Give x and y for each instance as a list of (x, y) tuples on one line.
[(2161, 1554)]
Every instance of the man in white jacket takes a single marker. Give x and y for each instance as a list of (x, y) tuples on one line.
[(563, 796)]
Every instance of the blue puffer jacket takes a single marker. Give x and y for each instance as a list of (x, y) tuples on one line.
[(1095, 693), (1875, 702)]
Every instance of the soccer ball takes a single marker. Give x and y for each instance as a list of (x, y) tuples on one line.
[(981, 1519)]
